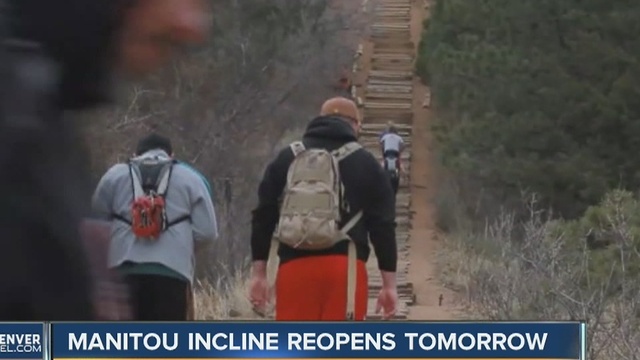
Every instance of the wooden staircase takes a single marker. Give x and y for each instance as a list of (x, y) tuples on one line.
[(387, 95)]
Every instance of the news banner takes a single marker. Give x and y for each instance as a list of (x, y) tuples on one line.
[(300, 340)]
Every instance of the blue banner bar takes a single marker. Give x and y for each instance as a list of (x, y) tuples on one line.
[(436, 340), (21, 340)]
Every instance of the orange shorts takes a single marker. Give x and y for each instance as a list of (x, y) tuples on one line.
[(315, 289)]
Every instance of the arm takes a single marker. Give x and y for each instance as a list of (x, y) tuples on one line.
[(102, 200), (265, 215), (379, 217), (203, 216), (204, 179)]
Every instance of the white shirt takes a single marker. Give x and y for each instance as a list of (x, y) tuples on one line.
[(391, 141)]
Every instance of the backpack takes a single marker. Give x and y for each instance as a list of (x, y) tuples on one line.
[(150, 182), (312, 199)]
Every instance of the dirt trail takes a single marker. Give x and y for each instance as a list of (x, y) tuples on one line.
[(389, 91), (434, 302)]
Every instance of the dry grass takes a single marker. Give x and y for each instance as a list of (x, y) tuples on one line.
[(227, 299), (543, 269), (223, 301)]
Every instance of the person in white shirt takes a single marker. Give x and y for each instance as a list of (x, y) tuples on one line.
[(392, 145)]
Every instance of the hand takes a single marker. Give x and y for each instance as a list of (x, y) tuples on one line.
[(259, 293), (387, 302)]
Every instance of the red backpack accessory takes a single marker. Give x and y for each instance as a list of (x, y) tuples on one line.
[(150, 182)]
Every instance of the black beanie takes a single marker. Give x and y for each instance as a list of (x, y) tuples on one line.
[(154, 142)]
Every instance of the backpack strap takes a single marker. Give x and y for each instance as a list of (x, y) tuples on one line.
[(351, 223), (297, 148), (163, 186), (137, 190), (136, 183), (352, 269), (345, 150), (163, 181)]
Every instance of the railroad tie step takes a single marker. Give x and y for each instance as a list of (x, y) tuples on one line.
[(395, 96), (386, 105), (388, 6), (406, 55), (387, 25), (395, 17), (389, 113), (393, 45), (405, 75), (372, 118), (402, 89), (377, 127)]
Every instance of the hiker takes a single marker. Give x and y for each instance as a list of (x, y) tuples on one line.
[(345, 84), (392, 145), (319, 277), (58, 56), (161, 213)]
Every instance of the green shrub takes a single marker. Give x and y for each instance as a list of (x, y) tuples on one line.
[(536, 95)]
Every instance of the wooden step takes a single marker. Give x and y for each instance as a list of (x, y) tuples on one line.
[(392, 6), (387, 82), (387, 105), (372, 137), (371, 117), (375, 130), (394, 115), (383, 45), (377, 127), (392, 18), (390, 96), (392, 30), (375, 35), (393, 11), (391, 57), (390, 74), (391, 66), (403, 89), (386, 25), (382, 116)]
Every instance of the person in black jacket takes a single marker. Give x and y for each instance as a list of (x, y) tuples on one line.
[(57, 56), (311, 285)]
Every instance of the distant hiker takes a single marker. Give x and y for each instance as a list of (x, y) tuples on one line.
[(392, 145), (385, 131), (58, 56), (162, 213), (329, 187), (344, 83)]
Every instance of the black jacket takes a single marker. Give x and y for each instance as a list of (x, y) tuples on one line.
[(44, 180), (366, 188)]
